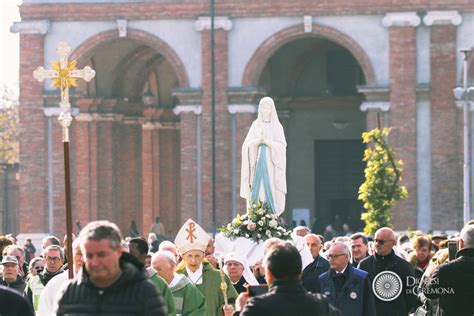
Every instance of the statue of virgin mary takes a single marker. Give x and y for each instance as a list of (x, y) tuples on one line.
[(263, 172)]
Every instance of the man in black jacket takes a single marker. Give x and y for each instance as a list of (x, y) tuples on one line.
[(392, 277), (112, 282), (286, 294), (453, 283)]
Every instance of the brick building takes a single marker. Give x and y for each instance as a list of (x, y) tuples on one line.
[(331, 66)]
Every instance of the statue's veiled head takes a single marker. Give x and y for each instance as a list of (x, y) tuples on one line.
[(266, 108)]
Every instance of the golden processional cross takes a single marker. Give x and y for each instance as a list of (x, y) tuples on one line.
[(64, 75)]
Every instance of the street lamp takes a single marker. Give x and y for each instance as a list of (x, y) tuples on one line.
[(148, 97), (461, 95)]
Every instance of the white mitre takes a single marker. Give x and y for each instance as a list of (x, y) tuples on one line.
[(191, 236)]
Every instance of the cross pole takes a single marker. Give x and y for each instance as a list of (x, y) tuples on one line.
[(65, 74)]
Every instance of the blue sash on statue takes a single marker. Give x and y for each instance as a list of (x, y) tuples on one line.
[(261, 174)]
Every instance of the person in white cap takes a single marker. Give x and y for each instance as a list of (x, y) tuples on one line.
[(238, 271), (191, 242), (11, 277)]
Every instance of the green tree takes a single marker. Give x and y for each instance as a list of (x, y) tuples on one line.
[(381, 189), (9, 142)]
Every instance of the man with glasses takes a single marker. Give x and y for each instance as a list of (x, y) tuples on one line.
[(53, 258), (391, 276), (346, 287)]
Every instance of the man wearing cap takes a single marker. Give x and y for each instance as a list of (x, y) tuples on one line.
[(236, 268), (11, 277), (188, 300), (191, 242), (346, 287)]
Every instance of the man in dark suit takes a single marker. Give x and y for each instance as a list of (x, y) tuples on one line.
[(346, 287), (286, 294), (359, 247), (320, 265)]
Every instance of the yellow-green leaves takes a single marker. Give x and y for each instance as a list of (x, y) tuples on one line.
[(381, 189)]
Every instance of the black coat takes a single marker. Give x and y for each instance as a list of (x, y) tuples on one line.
[(131, 294), (453, 284), (407, 300), (288, 298), (13, 304), (18, 285), (312, 272)]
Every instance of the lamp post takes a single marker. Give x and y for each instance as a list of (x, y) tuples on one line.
[(461, 95)]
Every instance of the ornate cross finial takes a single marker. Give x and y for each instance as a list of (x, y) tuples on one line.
[(190, 232), (64, 75)]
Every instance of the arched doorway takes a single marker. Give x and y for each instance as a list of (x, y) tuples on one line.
[(131, 156), (314, 82)]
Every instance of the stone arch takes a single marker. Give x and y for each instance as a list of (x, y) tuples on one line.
[(152, 41), (264, 52)]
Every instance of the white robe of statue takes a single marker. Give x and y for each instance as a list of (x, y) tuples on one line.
[(266, 129)]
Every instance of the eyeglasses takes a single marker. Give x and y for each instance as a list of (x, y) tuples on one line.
[(330, 257), (53, 259), (381, 241)]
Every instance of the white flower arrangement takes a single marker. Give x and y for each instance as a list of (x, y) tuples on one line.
[(258, 224)]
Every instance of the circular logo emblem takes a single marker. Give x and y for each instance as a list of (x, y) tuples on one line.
[(353, 295), (387, 286)]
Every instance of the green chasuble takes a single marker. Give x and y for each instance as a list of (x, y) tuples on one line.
[(188, 300), (165, 291), (211, 289)]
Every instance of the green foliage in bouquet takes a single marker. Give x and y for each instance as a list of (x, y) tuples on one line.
[(258, 224), (381, 189)]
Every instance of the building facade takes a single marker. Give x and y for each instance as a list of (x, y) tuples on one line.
[(335, 70)]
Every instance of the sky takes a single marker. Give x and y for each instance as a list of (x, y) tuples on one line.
[(9, 42)]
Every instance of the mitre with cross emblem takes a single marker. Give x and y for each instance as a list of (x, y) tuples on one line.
[(191, 236)]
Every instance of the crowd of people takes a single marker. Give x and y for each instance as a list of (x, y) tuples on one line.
[(385, 274)]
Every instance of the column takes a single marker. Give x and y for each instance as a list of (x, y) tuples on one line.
[(446, 121), (129, 174), (402, 117), (106, 166), (150, 174), (169, 175), (82, 143), (423, 153), (222, 119), (190, 161), (33, 217)]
